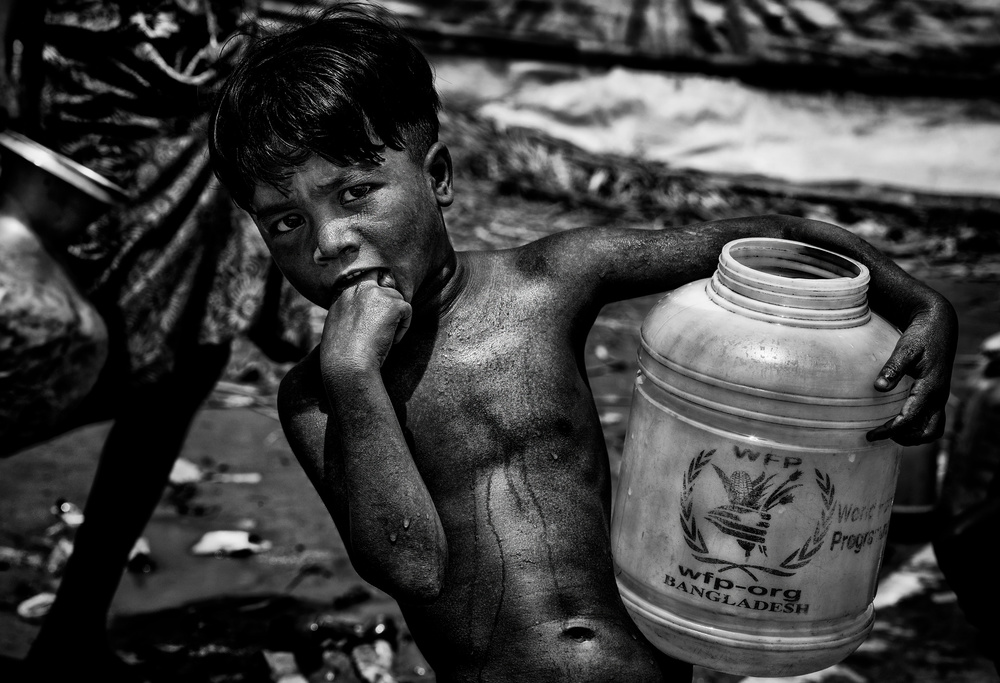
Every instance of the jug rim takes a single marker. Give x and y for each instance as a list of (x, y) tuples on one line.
[(781, 280), (832, 273)]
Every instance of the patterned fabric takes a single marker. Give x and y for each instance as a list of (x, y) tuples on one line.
[(125, 90)]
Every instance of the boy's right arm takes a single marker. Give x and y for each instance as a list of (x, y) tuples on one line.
[(357, 456)]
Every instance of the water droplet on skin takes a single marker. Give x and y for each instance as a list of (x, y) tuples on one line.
[(630, 490), (555, 456), (406, 522), (851, 457), (392, 538)]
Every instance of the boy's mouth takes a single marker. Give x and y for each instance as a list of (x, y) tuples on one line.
[(345, 281), (382, 277)]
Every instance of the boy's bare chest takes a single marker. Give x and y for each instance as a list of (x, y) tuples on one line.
[(487, 388)]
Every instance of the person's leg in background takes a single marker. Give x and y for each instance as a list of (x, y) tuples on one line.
[(177, 273), (134, 466)]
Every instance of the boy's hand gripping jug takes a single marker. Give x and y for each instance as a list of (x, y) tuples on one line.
[(751, 512)]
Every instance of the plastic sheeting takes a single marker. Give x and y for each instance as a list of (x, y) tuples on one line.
[(723, 126)]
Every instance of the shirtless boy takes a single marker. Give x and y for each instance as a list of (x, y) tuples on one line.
[(445, 419)]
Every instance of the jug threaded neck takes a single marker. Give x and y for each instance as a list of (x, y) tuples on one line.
[(791, 283)]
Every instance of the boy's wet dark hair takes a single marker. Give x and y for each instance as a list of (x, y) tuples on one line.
[(342, 88)]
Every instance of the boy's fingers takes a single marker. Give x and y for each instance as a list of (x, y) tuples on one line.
[(385, 279), (882, 431), (916, 433), (907, 428), (404, 323), (895, 368), (894, 426)]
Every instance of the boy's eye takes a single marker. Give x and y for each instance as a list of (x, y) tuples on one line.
[(289, 223), (352, 194)]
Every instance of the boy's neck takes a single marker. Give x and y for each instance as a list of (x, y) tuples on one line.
[(439, 292)]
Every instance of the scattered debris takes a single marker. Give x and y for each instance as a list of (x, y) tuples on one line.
[(185, 472), (140, 559), (234, 477), (284, 669), (186, 477), (612, 417), (336, 666), (331, 630), (14, 557), (230, 544), (59, 556), (35, 608), (990, 348), (234, 395), (374, 661), (70, 515)]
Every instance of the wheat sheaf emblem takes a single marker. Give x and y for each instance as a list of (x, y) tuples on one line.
[(747, 516)]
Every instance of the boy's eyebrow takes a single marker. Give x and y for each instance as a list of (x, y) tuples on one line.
[(347, 177), (359, 173), (268, 210)]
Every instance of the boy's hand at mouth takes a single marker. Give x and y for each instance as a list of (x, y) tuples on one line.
[(362, 325)]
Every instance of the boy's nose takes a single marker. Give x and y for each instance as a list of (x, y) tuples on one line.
[(335, 242)]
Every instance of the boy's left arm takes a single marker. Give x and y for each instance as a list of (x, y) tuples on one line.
[(929, 325), (621, 264)]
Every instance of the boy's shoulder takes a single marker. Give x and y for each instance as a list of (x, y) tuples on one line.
[(555, 255)]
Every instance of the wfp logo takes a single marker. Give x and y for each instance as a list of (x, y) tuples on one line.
[(746, 516)]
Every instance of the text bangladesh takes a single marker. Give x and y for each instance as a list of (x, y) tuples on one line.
[(708, 586)]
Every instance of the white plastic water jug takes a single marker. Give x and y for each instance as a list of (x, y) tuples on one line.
[(751, 512)]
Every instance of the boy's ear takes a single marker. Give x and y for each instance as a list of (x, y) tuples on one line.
[(437, 165)]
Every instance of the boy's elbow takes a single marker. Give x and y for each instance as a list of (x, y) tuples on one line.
[(423, 588), (408, 579), (422, 581)]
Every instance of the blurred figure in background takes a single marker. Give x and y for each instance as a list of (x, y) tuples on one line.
[(970, 501), (175, 273)]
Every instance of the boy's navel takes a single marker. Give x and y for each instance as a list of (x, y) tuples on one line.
[(580, 634)]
